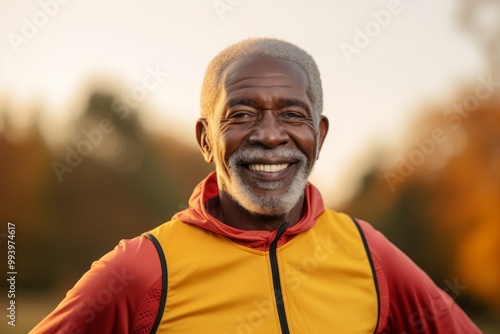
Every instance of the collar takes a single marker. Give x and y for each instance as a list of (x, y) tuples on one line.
[(196, 214)]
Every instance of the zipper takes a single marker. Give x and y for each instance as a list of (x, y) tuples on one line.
[(278, 295)]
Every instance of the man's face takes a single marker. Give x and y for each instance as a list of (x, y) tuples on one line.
[(263, 136)]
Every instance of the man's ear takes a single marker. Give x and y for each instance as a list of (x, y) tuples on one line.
[(203, 139), (323, 130)]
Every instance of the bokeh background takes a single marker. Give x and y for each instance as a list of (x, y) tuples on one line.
[(98, 101)]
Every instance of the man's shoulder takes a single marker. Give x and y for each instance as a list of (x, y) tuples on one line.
[(386, 256), (110, 295), (134, 262), (367, 231), (130, 252), (375, 239)]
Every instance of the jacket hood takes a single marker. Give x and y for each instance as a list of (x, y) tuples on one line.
[(197, 214)]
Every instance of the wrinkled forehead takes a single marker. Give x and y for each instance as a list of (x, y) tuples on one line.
[(263, 67)]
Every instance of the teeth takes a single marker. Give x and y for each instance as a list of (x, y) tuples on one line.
[(267, 168)]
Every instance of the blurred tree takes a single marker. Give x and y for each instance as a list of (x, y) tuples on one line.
[(129, 183), (444, 211), (441, 203), (120, 182)]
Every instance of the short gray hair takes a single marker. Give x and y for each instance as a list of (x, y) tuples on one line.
[(277, 48)]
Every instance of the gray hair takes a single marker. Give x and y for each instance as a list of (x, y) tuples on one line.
[(277, 48)]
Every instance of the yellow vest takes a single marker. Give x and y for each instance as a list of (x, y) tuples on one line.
[(321, 281)]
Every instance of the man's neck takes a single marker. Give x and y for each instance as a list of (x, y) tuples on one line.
[(228, 211)]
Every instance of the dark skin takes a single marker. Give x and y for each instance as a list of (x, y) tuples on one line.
[(263, 102)]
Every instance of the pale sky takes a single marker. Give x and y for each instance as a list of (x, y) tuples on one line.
[(417, 54)]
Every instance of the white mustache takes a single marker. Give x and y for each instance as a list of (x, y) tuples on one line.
[(257, 153)]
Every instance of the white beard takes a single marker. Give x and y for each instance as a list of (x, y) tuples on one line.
[(268, 205)]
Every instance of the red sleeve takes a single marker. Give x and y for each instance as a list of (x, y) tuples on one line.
[(108, 297), (410, 302)]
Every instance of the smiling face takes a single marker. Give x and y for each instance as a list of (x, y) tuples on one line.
[(263, 135)]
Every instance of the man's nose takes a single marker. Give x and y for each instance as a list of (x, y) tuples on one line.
[(269, 131)]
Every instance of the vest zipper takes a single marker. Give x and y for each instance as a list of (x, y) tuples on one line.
[(276, 280)]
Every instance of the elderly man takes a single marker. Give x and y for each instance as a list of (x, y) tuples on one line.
[(256, 251)]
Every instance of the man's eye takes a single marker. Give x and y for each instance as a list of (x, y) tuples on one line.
[(292, 115), (242, 116)]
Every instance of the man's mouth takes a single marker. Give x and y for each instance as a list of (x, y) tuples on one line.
[(268, 168)]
